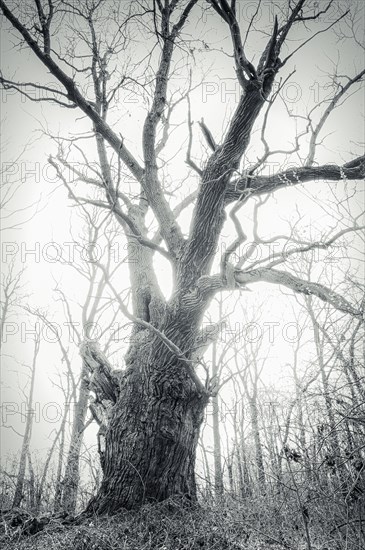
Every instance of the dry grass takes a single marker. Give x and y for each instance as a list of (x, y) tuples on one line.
[(166, 526)]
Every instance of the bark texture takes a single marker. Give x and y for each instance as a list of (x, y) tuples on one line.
[(148, 446)]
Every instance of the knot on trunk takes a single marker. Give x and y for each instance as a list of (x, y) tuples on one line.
[(103, 381)]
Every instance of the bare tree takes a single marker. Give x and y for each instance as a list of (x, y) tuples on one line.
[(24, 453), (154, 409), (250, 376), (11, 285)]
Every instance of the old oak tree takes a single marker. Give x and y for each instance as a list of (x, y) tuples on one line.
[(150, 413)]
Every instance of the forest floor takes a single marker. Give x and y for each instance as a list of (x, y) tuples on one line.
[(166, 526)]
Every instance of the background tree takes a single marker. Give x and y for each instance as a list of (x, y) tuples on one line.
[(24, 455)]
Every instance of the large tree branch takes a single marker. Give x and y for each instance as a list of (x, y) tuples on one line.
[(297, 285), (169, 228), (185, 203), (217, 283), (208, 215), (258, 185), (244, 68)]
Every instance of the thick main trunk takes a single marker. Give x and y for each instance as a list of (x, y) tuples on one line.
[(148, 452)]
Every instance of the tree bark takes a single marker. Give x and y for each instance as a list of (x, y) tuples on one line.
[(148, 445)]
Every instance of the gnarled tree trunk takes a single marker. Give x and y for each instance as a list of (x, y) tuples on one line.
[(148, 446)]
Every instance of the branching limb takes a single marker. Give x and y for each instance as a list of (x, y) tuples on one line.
[(297, 285), (185, 203), (215, 283), (120, 215), (244, 68), (353, 170), (170, 230), (23, 88), (208, 135), (189, 160), (45, 22), (281, 257), (188, 363), (241, 235), (331, 106)]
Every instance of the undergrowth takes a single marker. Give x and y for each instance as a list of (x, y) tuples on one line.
[(165, 526)]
